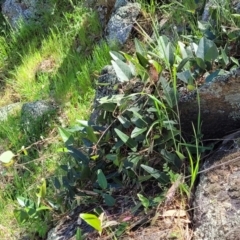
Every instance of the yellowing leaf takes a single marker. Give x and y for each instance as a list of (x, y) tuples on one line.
[(6, 157), (92, 220)]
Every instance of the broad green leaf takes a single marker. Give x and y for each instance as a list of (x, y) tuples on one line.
[(92, 220), (109, 107), (116, 55), (78, 155), (234, 60), (145, 202), (102, 181), (65, 135), (160, 176), (156, 65), (21, 201), (91, 134), (56, 183), (224, 56), (111, 157), (171, 158), (140, 48), (42, 189), (162, 43), (212, 53), (207, 50), (137, 131), (122, 135), (185, 76), (125, 122), (6, 157), (122, 70), (127, 140), (169, 93), (211, 76), (142, 60), (200, 63), (109, 200), (21, 215), (170, 54), (183, 63)]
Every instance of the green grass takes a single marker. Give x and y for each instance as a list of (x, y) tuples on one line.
[(61, 62)]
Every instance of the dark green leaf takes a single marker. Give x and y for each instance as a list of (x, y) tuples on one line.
[(65, 135), (57, 183), (78, 155), (200, 63), (160, 176), (140, 47), (127, 140), (211, 76), (185, 76), (102, 181), (109, 200), (183, 63), (125, 122), (169, 93), (137, 131), (142, 60), (21, 216), (207, 50), (170, 54), (211, 54)]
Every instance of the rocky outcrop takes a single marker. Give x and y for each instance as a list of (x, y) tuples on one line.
[(217, 198), (9, 110), (121, 22), (219, 107), (33, 113), (105, 87), (25, 10)]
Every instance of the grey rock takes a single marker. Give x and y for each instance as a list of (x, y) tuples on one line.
[(33, 113), (105, 87), (26, 10), (219, 106), (121, 22), (217, 198), (9, 109), (67, 227)]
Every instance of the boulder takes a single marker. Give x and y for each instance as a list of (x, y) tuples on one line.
[(105, 87), (219, 107), (121, 22), (25, 10), (9, 109), (34, 113), (217, 197)]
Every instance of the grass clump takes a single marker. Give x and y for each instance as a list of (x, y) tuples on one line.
[(59, 60)]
